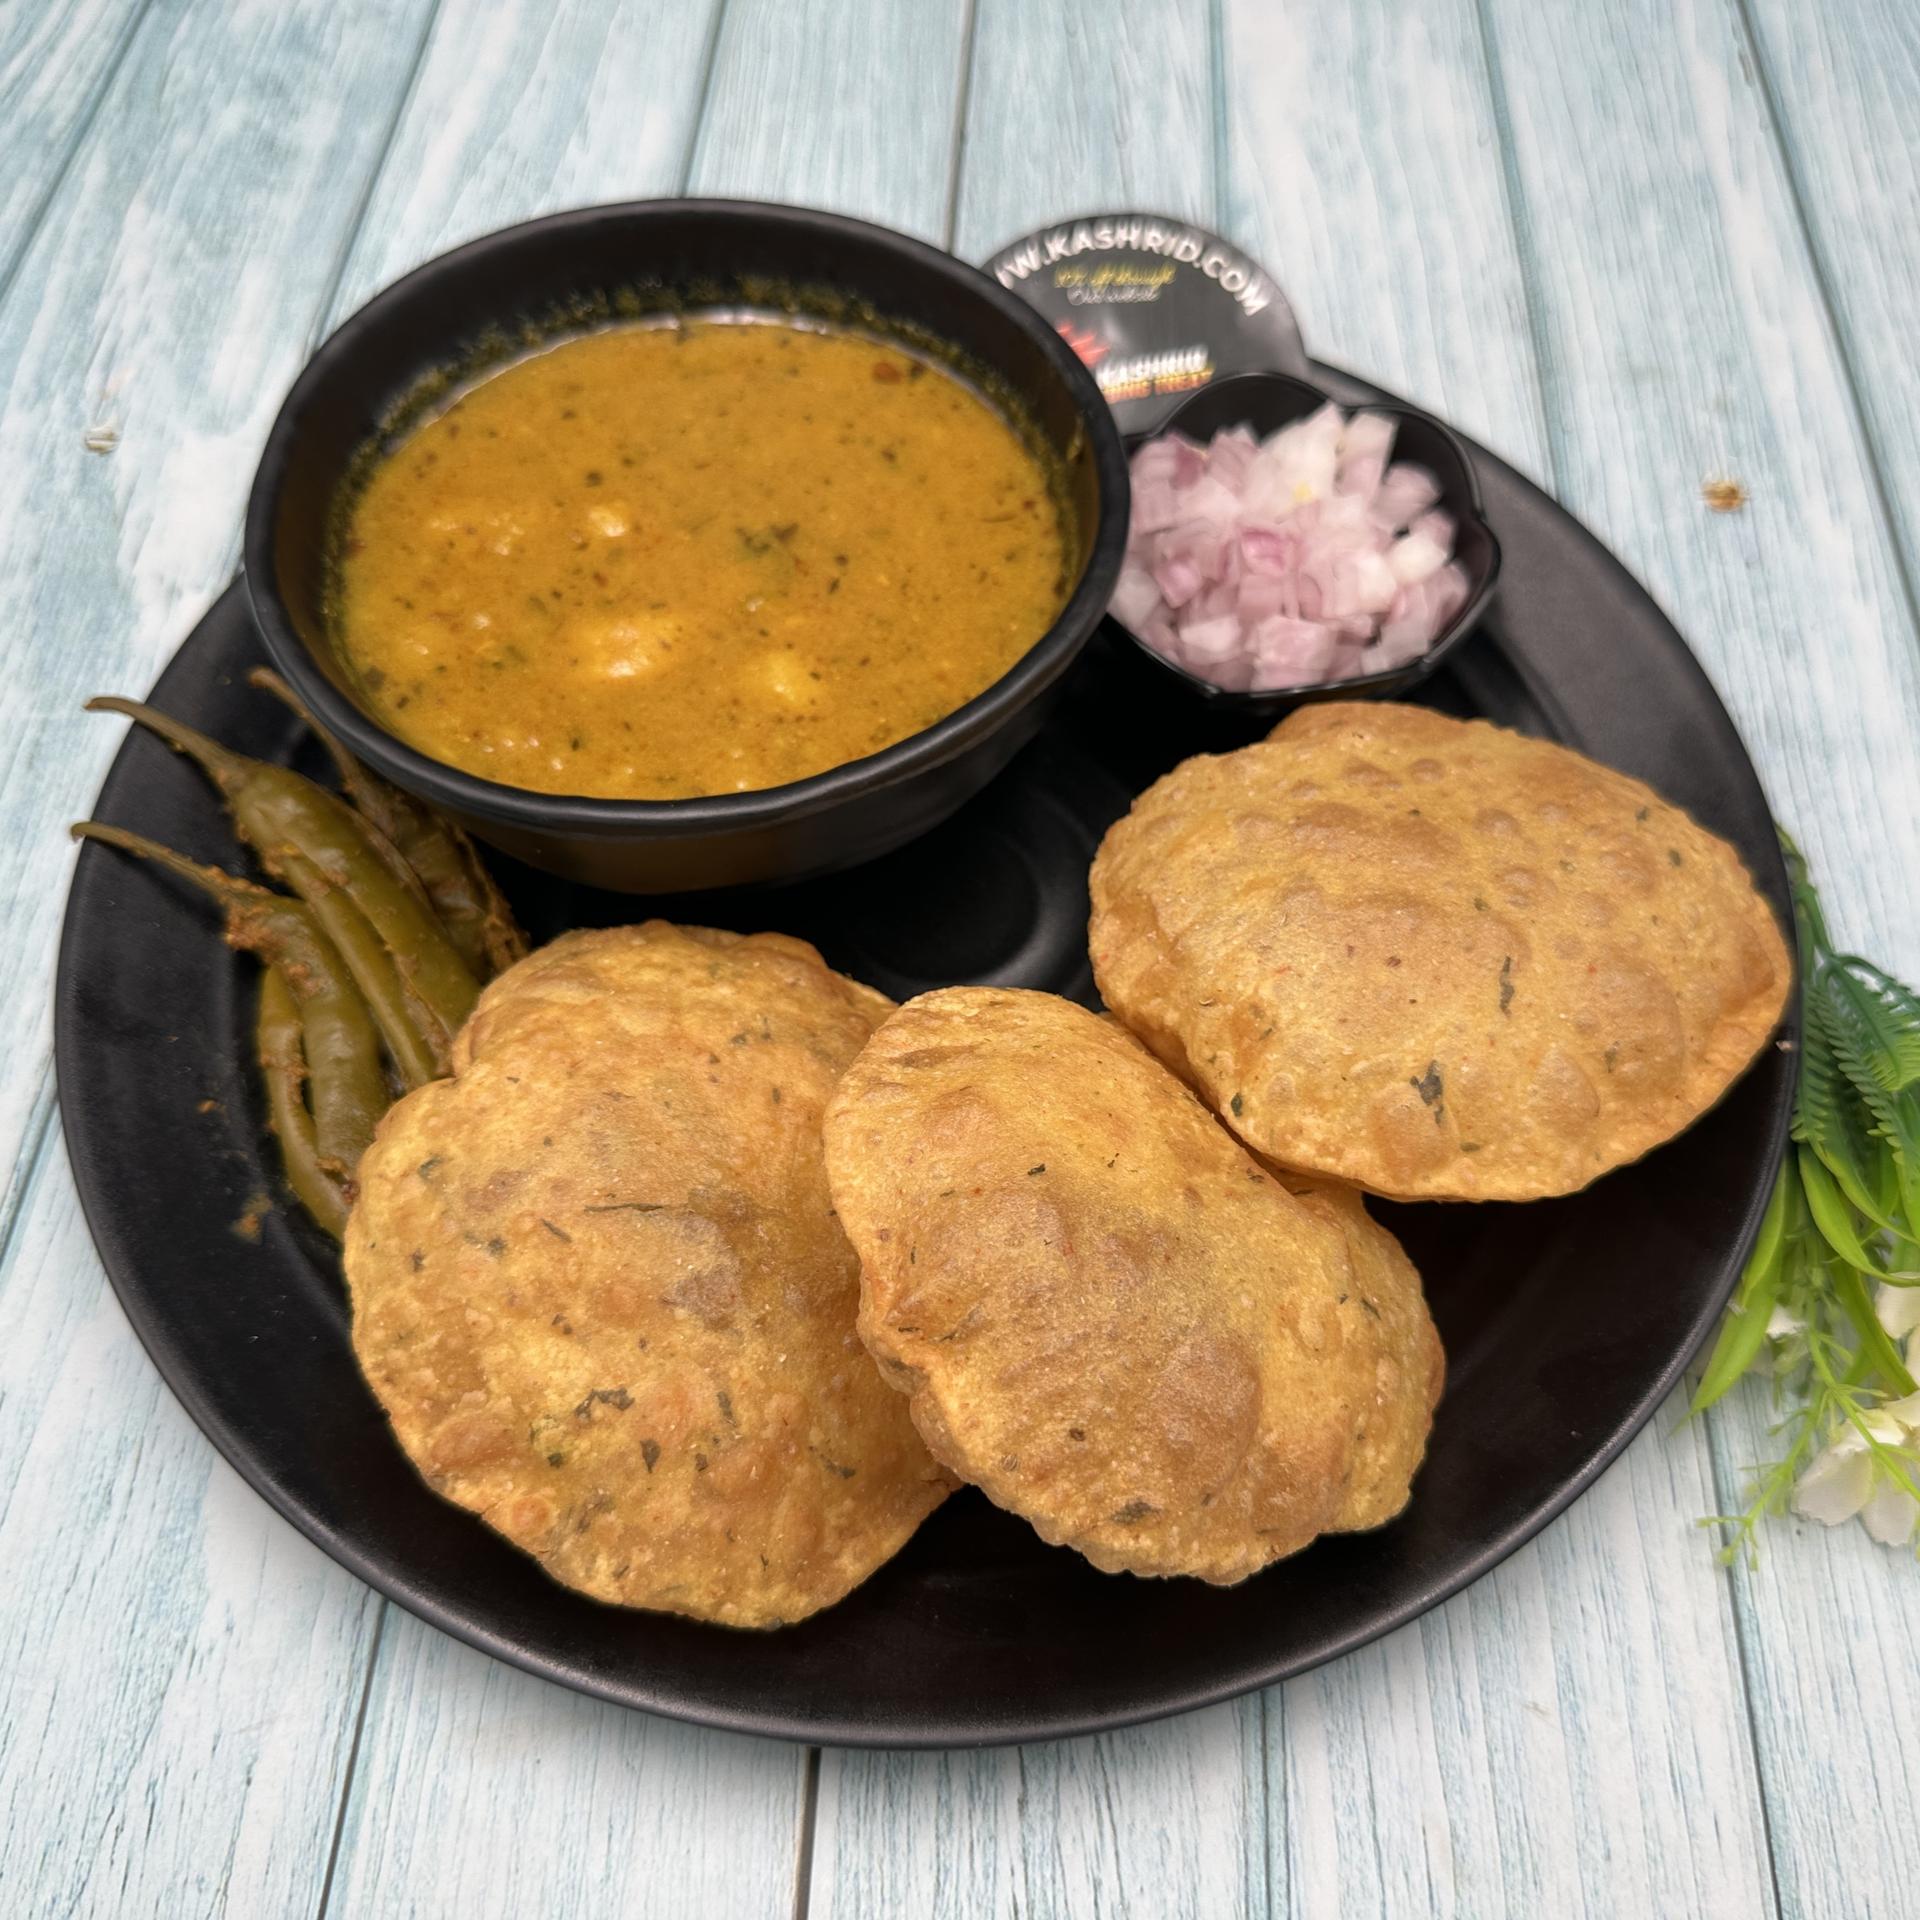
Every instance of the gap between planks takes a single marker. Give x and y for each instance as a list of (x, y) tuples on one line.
[(1823, 279)]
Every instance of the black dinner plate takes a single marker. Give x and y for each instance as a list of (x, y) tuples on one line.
[(1566, 1322)]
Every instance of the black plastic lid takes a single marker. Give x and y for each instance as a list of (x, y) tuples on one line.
[(1156, 306)]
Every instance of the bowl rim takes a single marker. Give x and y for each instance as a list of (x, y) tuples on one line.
[(1361, 686), (591, 816)]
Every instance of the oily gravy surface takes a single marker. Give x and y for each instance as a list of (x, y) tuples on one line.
[(655, 562)]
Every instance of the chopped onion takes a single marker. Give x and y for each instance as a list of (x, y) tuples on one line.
[(1305, 558)]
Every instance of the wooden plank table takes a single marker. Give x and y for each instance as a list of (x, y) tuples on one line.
[(1629, 244)]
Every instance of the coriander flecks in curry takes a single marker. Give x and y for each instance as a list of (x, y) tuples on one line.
[(656, 562)]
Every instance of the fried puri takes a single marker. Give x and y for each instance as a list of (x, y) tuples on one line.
[(1432, 957), (1103, 1311), (598, 1285)]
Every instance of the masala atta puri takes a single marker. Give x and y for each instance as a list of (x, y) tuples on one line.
[(599, 1289), (1103, 1311), (1432, 957)]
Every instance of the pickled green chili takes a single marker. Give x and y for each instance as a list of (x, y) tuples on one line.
[(280, 1046), (346, 1087), (320, 846), (471, 908)]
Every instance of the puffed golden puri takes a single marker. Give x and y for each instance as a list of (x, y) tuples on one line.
[(598, 1286), (1104, 1313), (1432, 957)]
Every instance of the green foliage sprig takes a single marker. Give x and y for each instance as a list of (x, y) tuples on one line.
[(1842, 1223)]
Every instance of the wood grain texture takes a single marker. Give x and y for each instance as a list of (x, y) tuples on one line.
[(480, 1790), (176, 1663), (1570, 1737), (849, 107), (516, 110), (1363, 168), (55, 63), (1843, 79), (1687, 332), (178, 1668), (165, 302), (1686, 336), (1163, 1823), (521, 109), (1832, 1671), (1069, 108), (1566, 1737), (1537, 1746), (1078, 106)]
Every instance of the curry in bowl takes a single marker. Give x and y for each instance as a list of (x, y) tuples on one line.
[(661, 561)]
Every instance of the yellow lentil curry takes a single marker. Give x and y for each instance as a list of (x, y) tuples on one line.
[(655, 562)]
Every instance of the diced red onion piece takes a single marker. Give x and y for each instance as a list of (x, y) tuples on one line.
[(1283, 562), (1366, 442), (1361, 475), (1268, 548), (1230, 458), (1405, 493), (1450, 589), (1135, 598), (1413, 557), (1159, 634), (1261, 595), (1291, 653), (1155, 505), (1178, 579), (1209, 499), (1210, 640)]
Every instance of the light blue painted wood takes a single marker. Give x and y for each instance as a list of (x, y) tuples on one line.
[(1686, 333), (1567, 1738), (1832, 1724), (1362, 165), (850, 107), (166, 302), (482, 1791), (1686, 337), (175, 1662), (55, 63), (1156, 1823), (1069, 108), (176, 1704), (1543, 1744), (1844, 78), (1080, 105), (517, 109)]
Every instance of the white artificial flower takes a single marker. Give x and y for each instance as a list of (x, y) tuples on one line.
[(1903, 1414), (1898, 1309), (1837, 1485), (1786, 1344), (1890, 1514), (1845, 1479)]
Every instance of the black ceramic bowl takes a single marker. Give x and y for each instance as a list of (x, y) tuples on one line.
[(375, 376), (1266, 402)]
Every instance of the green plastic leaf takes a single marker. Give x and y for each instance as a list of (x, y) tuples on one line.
[(1886, 1176), (1744, 1330), (1874, 1025), (1851, 1218), (1808, 921), (1773, 1225), (1874, 1341), (1831, 1120), (1831, 1214), (1876, 1345)]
